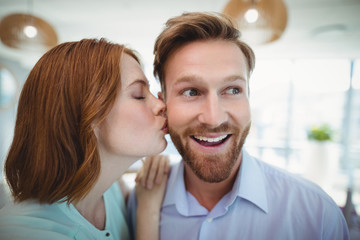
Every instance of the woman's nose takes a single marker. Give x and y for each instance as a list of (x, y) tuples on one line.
[(159, 107)]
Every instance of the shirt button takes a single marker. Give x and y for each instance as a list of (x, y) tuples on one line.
[(209, 220), (107, 234)]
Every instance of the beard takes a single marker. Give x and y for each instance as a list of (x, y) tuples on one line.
[(216, 167)]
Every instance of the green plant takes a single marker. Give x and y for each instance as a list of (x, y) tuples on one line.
[(320, 133)]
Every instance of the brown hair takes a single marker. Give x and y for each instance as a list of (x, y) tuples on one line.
[(195, 26), (54, 153)]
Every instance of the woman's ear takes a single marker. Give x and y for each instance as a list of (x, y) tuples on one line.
[(95, 128)]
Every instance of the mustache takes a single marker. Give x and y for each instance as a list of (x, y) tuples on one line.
[(203, 129)]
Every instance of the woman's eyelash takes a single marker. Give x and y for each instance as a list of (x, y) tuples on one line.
[(140, 98)]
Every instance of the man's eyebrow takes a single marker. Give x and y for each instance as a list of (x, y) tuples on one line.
[(195, 79), (234, 78), (187, 78)]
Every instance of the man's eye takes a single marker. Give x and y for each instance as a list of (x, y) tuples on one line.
[(190, 92), (233, 91)]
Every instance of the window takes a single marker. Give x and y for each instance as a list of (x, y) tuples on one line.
[(288, 97)]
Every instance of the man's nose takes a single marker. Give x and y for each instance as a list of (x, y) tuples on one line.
[(212, 112)]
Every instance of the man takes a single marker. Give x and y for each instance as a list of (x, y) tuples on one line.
[(219, 191)]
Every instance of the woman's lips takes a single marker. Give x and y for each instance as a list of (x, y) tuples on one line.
[(165, 127)]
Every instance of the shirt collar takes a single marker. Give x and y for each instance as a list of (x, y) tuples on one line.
[(175, 191), (249, 185)]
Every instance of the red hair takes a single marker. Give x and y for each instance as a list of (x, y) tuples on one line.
[(54, 153)]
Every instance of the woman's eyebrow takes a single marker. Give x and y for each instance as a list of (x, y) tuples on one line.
[(139, 81)]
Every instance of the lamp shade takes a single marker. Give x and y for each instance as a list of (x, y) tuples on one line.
[(24, 31), (266, 26)]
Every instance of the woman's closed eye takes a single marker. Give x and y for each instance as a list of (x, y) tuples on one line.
[(139, 89), (138, 92), (139, 97)]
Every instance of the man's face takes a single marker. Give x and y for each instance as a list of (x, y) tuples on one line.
[(207, 106)]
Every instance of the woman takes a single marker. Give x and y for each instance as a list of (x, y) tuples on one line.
[(85, 115)]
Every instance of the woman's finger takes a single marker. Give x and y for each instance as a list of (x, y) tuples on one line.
[(145, 170), (140, 173), (152, 171), (162, 169)]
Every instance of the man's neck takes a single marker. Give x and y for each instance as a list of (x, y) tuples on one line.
[(209, 194)]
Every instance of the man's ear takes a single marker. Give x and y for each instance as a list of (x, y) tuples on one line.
[(160, 96)]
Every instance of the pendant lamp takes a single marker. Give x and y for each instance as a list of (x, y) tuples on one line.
[(27, 32), (260, 21)]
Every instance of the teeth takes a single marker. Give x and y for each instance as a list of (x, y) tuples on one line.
[(210, 139)]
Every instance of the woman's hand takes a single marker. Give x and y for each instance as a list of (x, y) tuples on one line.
[(150, 188), (151, 181), (153, 171)]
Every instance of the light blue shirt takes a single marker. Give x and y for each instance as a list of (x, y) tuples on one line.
[(59, 221), (265, 203)]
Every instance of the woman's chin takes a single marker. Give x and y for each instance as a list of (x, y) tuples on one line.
[(162, 146)]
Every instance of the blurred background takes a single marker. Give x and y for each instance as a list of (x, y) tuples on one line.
[(304, 92)]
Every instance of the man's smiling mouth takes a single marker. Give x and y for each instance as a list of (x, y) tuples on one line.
[(211, 141)]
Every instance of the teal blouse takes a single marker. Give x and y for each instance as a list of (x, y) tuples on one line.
[(31, 220)]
